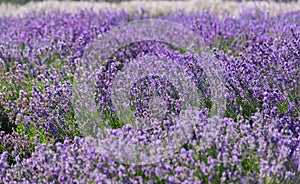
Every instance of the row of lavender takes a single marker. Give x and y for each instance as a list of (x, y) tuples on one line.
[(256, 141)]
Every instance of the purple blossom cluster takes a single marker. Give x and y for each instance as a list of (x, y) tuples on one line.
[(257, 140), (145, 88), (229, 151)]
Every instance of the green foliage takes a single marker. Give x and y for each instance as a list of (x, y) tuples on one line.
[(21, 2), (115, 123), (228, 44), (5, 125), (251, 164), (32, 132)]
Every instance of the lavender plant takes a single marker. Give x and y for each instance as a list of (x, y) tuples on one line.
[(257, 140)]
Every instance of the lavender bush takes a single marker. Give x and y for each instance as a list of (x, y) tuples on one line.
[(256, 140)]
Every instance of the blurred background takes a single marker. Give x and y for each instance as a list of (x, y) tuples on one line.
[(151, 7), (116, 1)]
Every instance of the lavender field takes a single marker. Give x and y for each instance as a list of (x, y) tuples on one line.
[(122, 96)]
